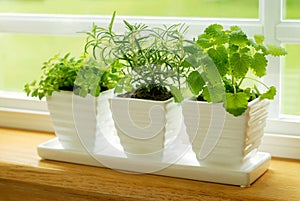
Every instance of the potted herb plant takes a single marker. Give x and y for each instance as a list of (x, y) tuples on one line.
[(56, 84), (145, 115), (97, 79), (226, 124), (74, 88)]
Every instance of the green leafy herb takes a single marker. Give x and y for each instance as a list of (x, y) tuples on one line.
[(195, 82), (236, 103), (94, 78), (58, 73), (234, 56), (151, 57), (269, 94)]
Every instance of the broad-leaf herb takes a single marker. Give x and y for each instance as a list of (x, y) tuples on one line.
[(232, 59)]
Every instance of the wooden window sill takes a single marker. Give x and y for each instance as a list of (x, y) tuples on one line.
[(24, 176)]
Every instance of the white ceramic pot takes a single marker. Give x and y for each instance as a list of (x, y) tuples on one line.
[(74, 119), (105, 130), (221, 139), (142, 124)]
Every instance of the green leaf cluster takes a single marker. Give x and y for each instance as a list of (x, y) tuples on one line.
[(232, 57), (213, 67), (151, 57), (94, 78), (58, 73), (84, 75)]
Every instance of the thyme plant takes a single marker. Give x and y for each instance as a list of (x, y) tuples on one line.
[(58, 73)]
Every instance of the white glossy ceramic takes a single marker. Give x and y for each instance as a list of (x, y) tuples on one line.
[(73, 118), (221, 139), (142, 125)]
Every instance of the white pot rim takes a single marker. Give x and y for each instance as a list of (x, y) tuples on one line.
[(193, 100), (142, 100)]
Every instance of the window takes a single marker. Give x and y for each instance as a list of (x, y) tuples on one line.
[(31, 31), (183, 8), (291, 81), (23, 56), (291, 10)]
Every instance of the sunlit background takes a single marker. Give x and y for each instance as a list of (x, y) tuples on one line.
[(21, 56)]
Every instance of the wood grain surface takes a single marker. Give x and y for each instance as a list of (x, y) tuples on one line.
[(24, 176)]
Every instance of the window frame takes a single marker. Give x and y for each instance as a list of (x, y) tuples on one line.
[(282, 133)]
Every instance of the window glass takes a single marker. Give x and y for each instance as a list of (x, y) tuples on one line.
[(199, 8), (21, 56), (292, 9), (291, 81)]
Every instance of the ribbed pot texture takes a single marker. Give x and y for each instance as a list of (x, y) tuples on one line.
[(142, 125), (74, 119), (219, 138)]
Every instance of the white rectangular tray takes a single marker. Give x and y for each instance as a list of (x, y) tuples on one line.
[(187, 167)]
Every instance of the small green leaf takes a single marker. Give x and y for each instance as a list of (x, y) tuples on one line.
[(204, 42), (240, 64), (195, 82), (276, 50), (270, 94), (191, 49), (235, 28), (259, 64), (112, 22), (236, 104), (244, 50), (220, 59), (238, 38), (259, 39), (214, 93), (124, 84), (213, 30), (215, 34)]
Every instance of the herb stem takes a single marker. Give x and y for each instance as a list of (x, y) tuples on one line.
[(256, 80), (233, 83), (241, 81)]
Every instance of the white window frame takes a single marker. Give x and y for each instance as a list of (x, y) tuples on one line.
[(282, 133)]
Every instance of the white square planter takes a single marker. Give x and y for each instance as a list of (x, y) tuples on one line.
[(221, 139), (142, 124), (106, 136), (74, 119)]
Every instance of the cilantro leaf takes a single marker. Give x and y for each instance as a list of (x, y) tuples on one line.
[(236, 104), (259, 64)]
